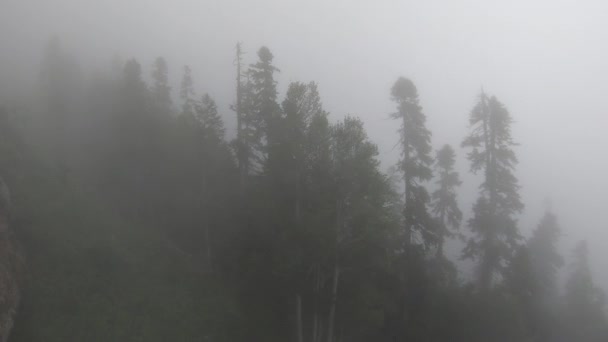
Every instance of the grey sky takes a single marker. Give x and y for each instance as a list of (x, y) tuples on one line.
[(546, 60)]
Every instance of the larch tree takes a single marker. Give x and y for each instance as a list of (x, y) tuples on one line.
[(494, 227)]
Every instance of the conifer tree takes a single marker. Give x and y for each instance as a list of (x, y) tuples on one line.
[(186, 91), (493, 224), (161, 91), (415, 164), (444, 201), (264, 111), (544, 256)]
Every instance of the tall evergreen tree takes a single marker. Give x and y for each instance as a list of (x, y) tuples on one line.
[(186, 91), (419, 228), (61, 86), (544, 256), (415, 164), (361, 195), (532, 276), (161, 91), (265, 114), (301, 104), (241, 146), (211, 123), (493, 224), (444, 201)]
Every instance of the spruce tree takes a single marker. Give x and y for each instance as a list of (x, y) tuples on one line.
[(494, 227), (415, 164), (264, 111)]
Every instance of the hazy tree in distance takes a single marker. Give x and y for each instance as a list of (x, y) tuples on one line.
[(210, 129), (443, 200), (241, 148), (585, 302), (544, 264), (161, 91), (186, 91), (495, 229), (419, 228), (545, 258)]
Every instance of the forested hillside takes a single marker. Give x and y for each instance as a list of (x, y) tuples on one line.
[(141, 219)]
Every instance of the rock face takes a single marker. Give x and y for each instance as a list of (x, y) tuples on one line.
[(11, 267)]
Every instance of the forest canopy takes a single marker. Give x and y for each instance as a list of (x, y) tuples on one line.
[(141, 218)]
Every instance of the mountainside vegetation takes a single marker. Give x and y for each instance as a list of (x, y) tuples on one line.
[(142, 219)]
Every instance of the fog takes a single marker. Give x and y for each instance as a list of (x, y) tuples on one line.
[(546, 60)]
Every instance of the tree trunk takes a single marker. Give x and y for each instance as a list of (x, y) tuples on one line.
[(297, 208), (315, 314), (332, 308), (300, 338), (208, 243), (336, 276)]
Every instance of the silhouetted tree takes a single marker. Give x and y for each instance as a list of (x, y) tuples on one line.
[(186, 91), (161, 91), (444, 202), (585, 302), (264, 112), (493, 224)]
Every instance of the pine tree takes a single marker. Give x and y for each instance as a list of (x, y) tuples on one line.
[(493, 224), (444, 201)]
